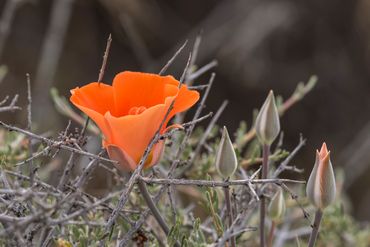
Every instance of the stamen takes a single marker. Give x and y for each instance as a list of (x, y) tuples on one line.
[(136, 110)]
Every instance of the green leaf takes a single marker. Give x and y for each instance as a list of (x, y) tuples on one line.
[(219, 222), (174, 234)]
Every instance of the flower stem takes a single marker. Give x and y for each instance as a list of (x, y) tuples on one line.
[(229, 213), (265, 169), (271, 234), (153, 208), (315, 228)]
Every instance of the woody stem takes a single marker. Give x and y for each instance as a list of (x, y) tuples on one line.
[(271, 234), (265, 169), (153, 208), (315, 228), (229, 212)]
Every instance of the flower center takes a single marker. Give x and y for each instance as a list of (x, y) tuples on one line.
[(136, 110)]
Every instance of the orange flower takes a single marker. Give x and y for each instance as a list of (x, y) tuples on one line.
[(130, 112)]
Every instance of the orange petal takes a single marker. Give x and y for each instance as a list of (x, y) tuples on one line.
[(173, 126), (95, 96), (117, 154), (133, 133), (135, 89), (156, 154), (125, 161), (95, 100), (185, 99), (323, 151)]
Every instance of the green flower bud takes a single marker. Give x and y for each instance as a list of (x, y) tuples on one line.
[(226, 162), (276, 209), (321, 187), (267, 121)]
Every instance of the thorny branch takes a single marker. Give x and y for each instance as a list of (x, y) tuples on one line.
[(55, 144), (12, 106), (215, 183)]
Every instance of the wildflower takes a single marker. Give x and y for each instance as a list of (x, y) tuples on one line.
[(321, 184), (131, 110), (226, 162), (267, 121)]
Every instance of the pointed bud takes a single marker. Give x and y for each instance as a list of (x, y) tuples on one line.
[(277, 206), (226, 162), (321, 187), (267, 121)]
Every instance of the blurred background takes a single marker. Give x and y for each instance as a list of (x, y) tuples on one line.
[(259, 45)]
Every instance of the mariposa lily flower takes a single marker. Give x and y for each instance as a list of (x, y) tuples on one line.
[(321, 187), (130, 112)]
